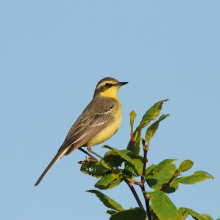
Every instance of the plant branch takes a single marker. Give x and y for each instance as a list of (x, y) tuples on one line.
[(145, 148), (145, 161), (132, 142), (134, 193), (146, 202), (138, 183)]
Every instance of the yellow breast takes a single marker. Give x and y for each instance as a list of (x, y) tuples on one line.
[(111, 128)]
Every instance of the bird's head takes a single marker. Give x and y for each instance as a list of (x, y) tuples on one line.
[(108, 87)]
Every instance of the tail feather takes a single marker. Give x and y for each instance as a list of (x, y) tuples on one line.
[(55, 159)]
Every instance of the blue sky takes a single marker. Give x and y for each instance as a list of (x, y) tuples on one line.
[(53, 53)]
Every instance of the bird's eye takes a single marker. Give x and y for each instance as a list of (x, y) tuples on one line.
[(108, 84)]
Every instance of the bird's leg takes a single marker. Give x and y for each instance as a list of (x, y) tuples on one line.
[(87, 153), (90, 150)]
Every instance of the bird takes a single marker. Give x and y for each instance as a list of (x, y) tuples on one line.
[(98, 122)]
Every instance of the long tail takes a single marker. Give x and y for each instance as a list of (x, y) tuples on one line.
[(55, 159)]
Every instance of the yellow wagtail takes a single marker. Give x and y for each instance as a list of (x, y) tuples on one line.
[(97, 123)]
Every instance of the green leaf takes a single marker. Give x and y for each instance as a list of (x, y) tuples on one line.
[(153, 128), (153, 215), (111, 212), (162, 206), (158, 176), (206, 217), (137, 143), (198, 176), (185, 165), (109, 181), (160, 179), (112, 159), (132, 117), (125, 157), (95, 170), (108, 202), (135, 156), (161, 166), (151, 114), (106, 165), (149, 169), (194, 214), (131, 214), (204, 173), (182, 214), (131, 170)]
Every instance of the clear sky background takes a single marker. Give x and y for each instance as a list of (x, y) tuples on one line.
[(53, 53)]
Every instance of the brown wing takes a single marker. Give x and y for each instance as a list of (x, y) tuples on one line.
[(86, 129)]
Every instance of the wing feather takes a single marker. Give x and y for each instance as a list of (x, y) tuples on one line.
[(86, 129)]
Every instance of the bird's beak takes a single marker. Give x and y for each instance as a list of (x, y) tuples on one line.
[(122, 83)]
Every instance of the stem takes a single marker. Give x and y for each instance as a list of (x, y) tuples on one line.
[(132, 138), (132, 135), (146, 202), (138, 183), (131, 130), (132, 143), (134, 193), (145, 162), (145, 148)]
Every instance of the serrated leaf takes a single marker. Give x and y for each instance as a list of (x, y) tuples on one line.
[(185, 165), (125, 157), (149, 169), (135, 156), (112, 159), (153, 215), (162, 206), (153, 128), (95, 170), (137, 143), (107, 201), (132, 117), (158, 176), (205, 173), (198, 176), (206, 217), (182, 214), (151, 114), (111, 212), (131, 170), (131, 214), (109, 181), (162, 165), (160, 179), (194, 214), (106, 165)]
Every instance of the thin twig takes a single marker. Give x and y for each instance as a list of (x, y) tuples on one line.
[(138, 183), (144, 167), (146, 202), (134, 193), (132, 142), (145, 148)]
